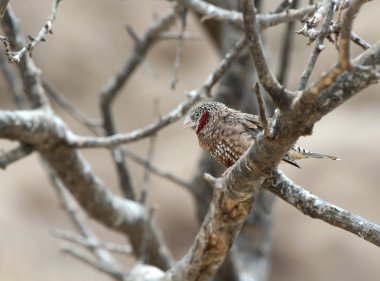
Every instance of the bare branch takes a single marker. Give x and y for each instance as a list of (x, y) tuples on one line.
[(7, 158), (146, 177), (286, 49), (79, 221), (318, 47), (171, 117), (281, 97), (12, 81), (261, 105), (28, 70), (156, 170), (3, 7), (315, 207), (359, 41), (142, 46), (16, 56), (248, 173), (47, 132), (91, 244), (116, 83), (345, 33), (178, 55), (90, 123), (87, 259), (210, 11), (212, 243)]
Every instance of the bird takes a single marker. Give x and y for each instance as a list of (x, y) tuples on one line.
[(227, 133)]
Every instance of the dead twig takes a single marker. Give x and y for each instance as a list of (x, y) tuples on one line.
[(9, 157), (90, 123), (318, 47), (261, 106), (178, 55), (178, 112), (15, 56)]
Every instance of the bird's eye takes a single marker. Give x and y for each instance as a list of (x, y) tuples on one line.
[(197, 115)]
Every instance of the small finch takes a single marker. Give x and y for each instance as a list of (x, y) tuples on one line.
[(227, 133)]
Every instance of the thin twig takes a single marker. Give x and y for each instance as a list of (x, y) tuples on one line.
[(91, 261), (157, 171), (177, 36), (286, 49), (116, 83), (29, 72), (79, 222), (90, 123), (91, 244), (12, 82), (178, 55), (9, 157), (344, 58), (147, 170), (261, 105), (15, 56), (359, 41), (318, 47), (171, 117)]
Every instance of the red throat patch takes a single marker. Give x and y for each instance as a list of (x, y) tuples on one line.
[(202, 122)]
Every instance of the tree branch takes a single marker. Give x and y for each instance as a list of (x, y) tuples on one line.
[(281, 97), (16, 56), (247, 175), (91, 261), (210, 11), (7, 158), (345, 33), (90, 123), (214, 239), (178, 112), (314, 207), (28, 70), (318, 47)]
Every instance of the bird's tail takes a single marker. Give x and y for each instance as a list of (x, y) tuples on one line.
[(297, 152)]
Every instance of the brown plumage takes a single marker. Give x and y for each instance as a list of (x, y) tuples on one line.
[(227, 133)]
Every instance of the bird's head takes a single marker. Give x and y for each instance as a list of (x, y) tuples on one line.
[(203, 114)]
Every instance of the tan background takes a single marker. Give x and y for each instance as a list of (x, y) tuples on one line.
[(89, 44)]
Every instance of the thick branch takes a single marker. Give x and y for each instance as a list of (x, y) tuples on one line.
[(47, 133), (248, 173), (213, 241), (314, 207)]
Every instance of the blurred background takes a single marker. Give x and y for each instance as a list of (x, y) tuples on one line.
[(89, 45)]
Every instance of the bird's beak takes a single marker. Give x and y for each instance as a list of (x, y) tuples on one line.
[(188, 122)]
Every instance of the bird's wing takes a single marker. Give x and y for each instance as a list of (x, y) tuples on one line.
[(247, 123), (243, 125), (251, 122)]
